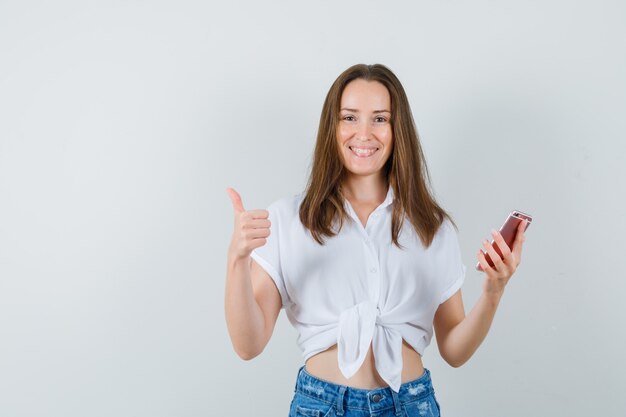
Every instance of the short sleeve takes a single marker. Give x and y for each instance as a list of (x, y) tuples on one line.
[(268, 256), (452, 267)]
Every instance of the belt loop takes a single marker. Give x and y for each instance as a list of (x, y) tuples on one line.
[(396, 402), (342, 390)]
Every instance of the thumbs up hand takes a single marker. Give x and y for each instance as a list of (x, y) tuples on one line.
[(251, 228)]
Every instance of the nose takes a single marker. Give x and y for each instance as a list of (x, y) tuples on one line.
[(363, 130)]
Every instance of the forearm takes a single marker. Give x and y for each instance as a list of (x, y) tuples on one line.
[(244, 317), (465, 338)]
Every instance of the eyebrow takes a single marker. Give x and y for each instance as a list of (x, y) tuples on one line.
[(375, 111)]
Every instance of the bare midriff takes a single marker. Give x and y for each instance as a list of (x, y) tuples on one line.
[(324, 365)]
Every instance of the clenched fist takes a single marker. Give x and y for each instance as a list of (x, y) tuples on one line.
[(252, 227)]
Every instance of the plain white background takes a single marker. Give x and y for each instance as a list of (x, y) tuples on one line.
[(122, 123)]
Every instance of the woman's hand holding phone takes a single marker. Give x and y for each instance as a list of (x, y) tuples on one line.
[(505, 259)]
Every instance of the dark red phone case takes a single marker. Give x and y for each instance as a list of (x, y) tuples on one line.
[(508, 232)]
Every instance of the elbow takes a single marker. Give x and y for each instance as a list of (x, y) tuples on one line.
[(455, 364), (247, 356), (454, 361), (245, 348)]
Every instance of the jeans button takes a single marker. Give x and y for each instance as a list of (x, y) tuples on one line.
[(376, 398)]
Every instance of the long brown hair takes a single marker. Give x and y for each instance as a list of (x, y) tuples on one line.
[(405, 170)]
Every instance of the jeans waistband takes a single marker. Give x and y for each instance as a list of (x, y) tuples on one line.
[(359, 398)]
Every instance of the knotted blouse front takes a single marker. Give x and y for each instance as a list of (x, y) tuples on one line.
[(359, 288)]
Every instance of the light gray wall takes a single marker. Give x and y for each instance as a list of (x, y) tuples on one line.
[(122, 123)]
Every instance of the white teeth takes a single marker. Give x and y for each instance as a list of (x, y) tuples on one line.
[(363, 152)]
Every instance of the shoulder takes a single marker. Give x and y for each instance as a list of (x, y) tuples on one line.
[(445, 236), (285, 208), (447, 227)]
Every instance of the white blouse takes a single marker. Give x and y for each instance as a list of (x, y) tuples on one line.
[(359, 288)]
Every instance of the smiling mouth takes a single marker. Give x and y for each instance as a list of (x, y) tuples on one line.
[(363, 153)]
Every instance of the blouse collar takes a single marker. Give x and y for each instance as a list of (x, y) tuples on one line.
[(388, 200)]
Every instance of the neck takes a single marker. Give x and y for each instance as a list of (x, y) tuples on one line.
[(365, 189)]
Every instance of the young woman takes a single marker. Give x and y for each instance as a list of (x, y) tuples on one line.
[(364, 262)]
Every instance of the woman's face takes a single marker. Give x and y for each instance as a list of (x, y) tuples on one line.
[(364, 131)]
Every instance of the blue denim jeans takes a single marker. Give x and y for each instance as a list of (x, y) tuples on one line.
[(316, 397)]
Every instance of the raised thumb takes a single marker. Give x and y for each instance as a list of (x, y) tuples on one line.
[(235, 199)]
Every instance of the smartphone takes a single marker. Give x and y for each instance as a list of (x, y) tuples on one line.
[(508, 232)]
